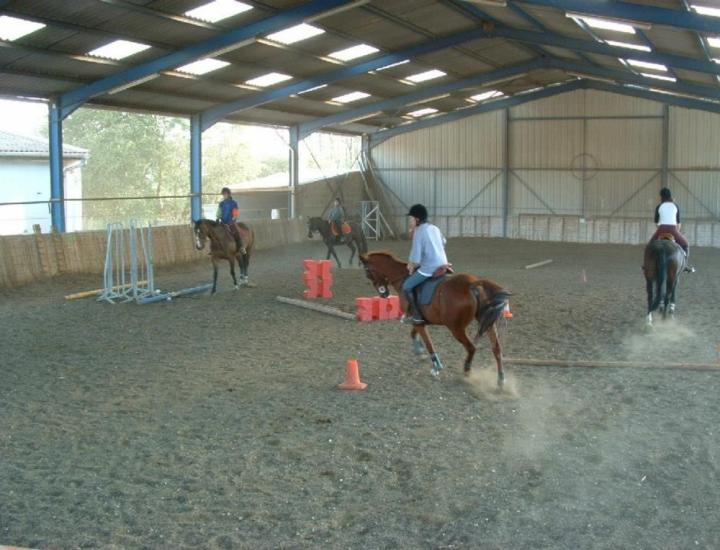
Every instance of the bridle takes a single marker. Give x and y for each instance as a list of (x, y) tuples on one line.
[(381, 282)]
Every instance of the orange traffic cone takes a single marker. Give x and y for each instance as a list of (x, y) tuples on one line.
[(352, 377), (507, 314)]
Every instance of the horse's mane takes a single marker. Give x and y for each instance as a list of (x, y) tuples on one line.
[(385, 254), (208, 221)]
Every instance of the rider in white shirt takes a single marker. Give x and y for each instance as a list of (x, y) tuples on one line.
[(426, 256), (667, 218)]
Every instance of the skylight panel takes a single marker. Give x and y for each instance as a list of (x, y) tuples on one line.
[(12, 28), (628, 45), (659, 77), (353, 52), (349, 98), (268, 79), (706, 10), (423, 112), (426, 75), (490, 94), (604, 24), (203, 66), (217, 10), (314, 88), (300, 32), (714, 41), (119, 49), (647, 65), (403, 62)]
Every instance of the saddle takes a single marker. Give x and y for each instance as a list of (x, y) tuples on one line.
[(425, 291), (345, 228), (666, 237)]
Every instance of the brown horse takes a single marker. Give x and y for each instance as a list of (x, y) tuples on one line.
[(223, 246), (355, 240), (664, 262), (458, 301)]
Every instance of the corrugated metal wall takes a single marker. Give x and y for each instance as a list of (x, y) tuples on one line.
[(589, 154)]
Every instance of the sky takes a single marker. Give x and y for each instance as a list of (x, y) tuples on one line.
[(27, 118)]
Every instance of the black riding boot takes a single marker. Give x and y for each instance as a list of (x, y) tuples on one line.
[(688, 268), (414, 314)]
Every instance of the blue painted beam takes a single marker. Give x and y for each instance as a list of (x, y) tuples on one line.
[(216, 114), (57, 187), (699, 90), (70, 101), (309, 127), (378, 137), (671, 60), (195, 168), (685, 102), (635, 12)]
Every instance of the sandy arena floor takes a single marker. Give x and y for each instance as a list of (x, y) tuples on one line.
[(213, 422)]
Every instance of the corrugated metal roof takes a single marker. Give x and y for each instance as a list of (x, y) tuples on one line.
[(53, 60), (13, 145)]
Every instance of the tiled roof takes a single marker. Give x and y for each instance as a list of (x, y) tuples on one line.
[(13, 145)]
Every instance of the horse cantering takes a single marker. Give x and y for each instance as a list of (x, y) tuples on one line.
[(458, 301), (224, 247)]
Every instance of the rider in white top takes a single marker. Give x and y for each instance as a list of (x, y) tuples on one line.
[(667, 218)]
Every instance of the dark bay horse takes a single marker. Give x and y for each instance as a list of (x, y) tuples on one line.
[(458, 301), (224, 247), (355, 239), (663, 264)]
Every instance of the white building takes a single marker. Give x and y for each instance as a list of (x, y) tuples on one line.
[(25, 178)]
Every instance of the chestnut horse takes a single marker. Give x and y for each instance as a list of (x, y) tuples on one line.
[(224, 247), (458, 301)]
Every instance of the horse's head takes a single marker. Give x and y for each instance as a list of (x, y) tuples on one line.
[(313, 226), (383, 270), (200, 229)]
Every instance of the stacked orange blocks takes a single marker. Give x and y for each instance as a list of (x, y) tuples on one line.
[(318, 278), (378, 309)]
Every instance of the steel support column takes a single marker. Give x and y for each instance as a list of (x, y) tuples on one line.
[(195, 168), (294, 171), (57, 187), (665, 145), (506, 171)]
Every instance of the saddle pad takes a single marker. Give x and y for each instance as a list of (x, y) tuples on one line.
[(426, 290), (346, 229), (666, 237)]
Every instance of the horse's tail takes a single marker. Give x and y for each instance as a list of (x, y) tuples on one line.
[(661, 263), (491, 305)]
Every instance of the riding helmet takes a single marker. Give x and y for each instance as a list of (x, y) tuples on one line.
[(225, 190), (665, 194), (418, 211)]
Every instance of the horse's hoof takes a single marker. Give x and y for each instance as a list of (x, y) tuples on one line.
[(236, 287), (435, 373)]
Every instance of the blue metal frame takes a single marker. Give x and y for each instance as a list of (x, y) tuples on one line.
[(378, 137), (685, 102), (216, 114), (57, 187), (699, 90), (294, 171), (306, 128), (195, 168), (573, 44), (70, 101), (635, 12)]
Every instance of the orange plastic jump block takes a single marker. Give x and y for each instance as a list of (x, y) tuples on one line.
[(377, 308), (317, 278)]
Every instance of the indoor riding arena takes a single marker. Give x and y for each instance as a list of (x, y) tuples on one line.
[(140, 410)]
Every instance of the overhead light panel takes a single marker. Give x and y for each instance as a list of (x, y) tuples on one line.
[(218, 10), (119, 49), (659, 77), (203, 66), (646, 65), (616, 25), (423, 112), (490, 94), (314, 88), (628, 45), (426, 75), (714, 41), (12, 28), (268, 79), (403, 62), (300, 32), (353, 52), (349, 98), (706, 10)]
